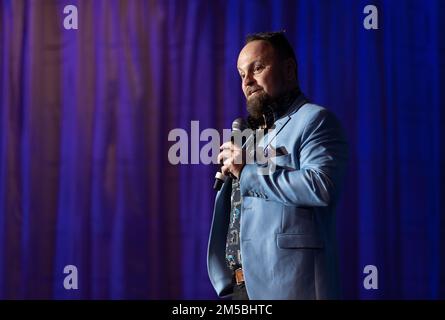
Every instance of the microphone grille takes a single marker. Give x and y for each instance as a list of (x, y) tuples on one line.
[(239, 124)]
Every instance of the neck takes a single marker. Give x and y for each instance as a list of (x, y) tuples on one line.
[(284, 101)]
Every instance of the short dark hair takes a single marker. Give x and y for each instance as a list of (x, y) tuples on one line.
[(279, 42)]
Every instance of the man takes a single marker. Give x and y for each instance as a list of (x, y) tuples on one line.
[(273, 232)]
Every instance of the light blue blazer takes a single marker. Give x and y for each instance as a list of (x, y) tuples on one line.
[(288, 223)]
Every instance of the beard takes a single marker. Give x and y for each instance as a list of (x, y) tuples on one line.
[(261, 105), (258, 104)]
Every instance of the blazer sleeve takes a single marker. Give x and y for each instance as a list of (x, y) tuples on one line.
[(322, 154)]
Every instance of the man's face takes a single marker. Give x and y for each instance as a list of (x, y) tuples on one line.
[(262, 75)]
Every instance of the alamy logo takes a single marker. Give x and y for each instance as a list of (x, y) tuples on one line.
[(71, 280), (70, 21), (371, 21), (371, 281), (186, 149)]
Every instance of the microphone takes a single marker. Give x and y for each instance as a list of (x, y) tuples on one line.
[(238, 125)]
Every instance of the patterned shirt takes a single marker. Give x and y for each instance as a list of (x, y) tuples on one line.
[(233, 249)]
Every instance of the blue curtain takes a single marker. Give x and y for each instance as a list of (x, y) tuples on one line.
[(85, 116)]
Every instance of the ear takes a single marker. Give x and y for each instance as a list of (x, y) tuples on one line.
[(289, 69)]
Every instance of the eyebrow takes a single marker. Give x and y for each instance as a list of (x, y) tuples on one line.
[(250, 64)]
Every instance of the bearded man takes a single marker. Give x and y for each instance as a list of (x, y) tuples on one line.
[(273, 233)]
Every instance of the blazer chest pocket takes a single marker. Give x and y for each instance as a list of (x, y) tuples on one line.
[(298, 241)]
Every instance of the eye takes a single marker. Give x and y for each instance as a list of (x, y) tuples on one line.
[(258, 68)]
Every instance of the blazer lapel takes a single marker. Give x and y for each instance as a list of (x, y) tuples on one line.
[(270, 137)]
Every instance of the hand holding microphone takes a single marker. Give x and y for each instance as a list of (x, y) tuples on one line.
[(231, 156)]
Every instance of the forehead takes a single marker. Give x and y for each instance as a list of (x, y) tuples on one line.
[(253, 51)]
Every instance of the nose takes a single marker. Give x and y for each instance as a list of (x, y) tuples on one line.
[(248, 80)]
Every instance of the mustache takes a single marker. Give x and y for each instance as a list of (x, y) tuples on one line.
[(252, 90)]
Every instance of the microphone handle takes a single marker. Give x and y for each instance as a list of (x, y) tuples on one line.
[(219, 181)]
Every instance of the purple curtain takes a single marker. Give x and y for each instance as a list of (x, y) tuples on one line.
[(85, 116)]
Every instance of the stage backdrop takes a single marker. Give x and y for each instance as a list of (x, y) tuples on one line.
[(84, 121)]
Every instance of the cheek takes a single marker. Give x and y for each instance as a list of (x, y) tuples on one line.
[(244, 90), (271, 83)]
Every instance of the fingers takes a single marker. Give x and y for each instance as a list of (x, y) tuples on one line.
[(225, 170), (223, 155), (230, 170), (228, 162), (226, 165), (230, 159), (229, 146), (226, 145)]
